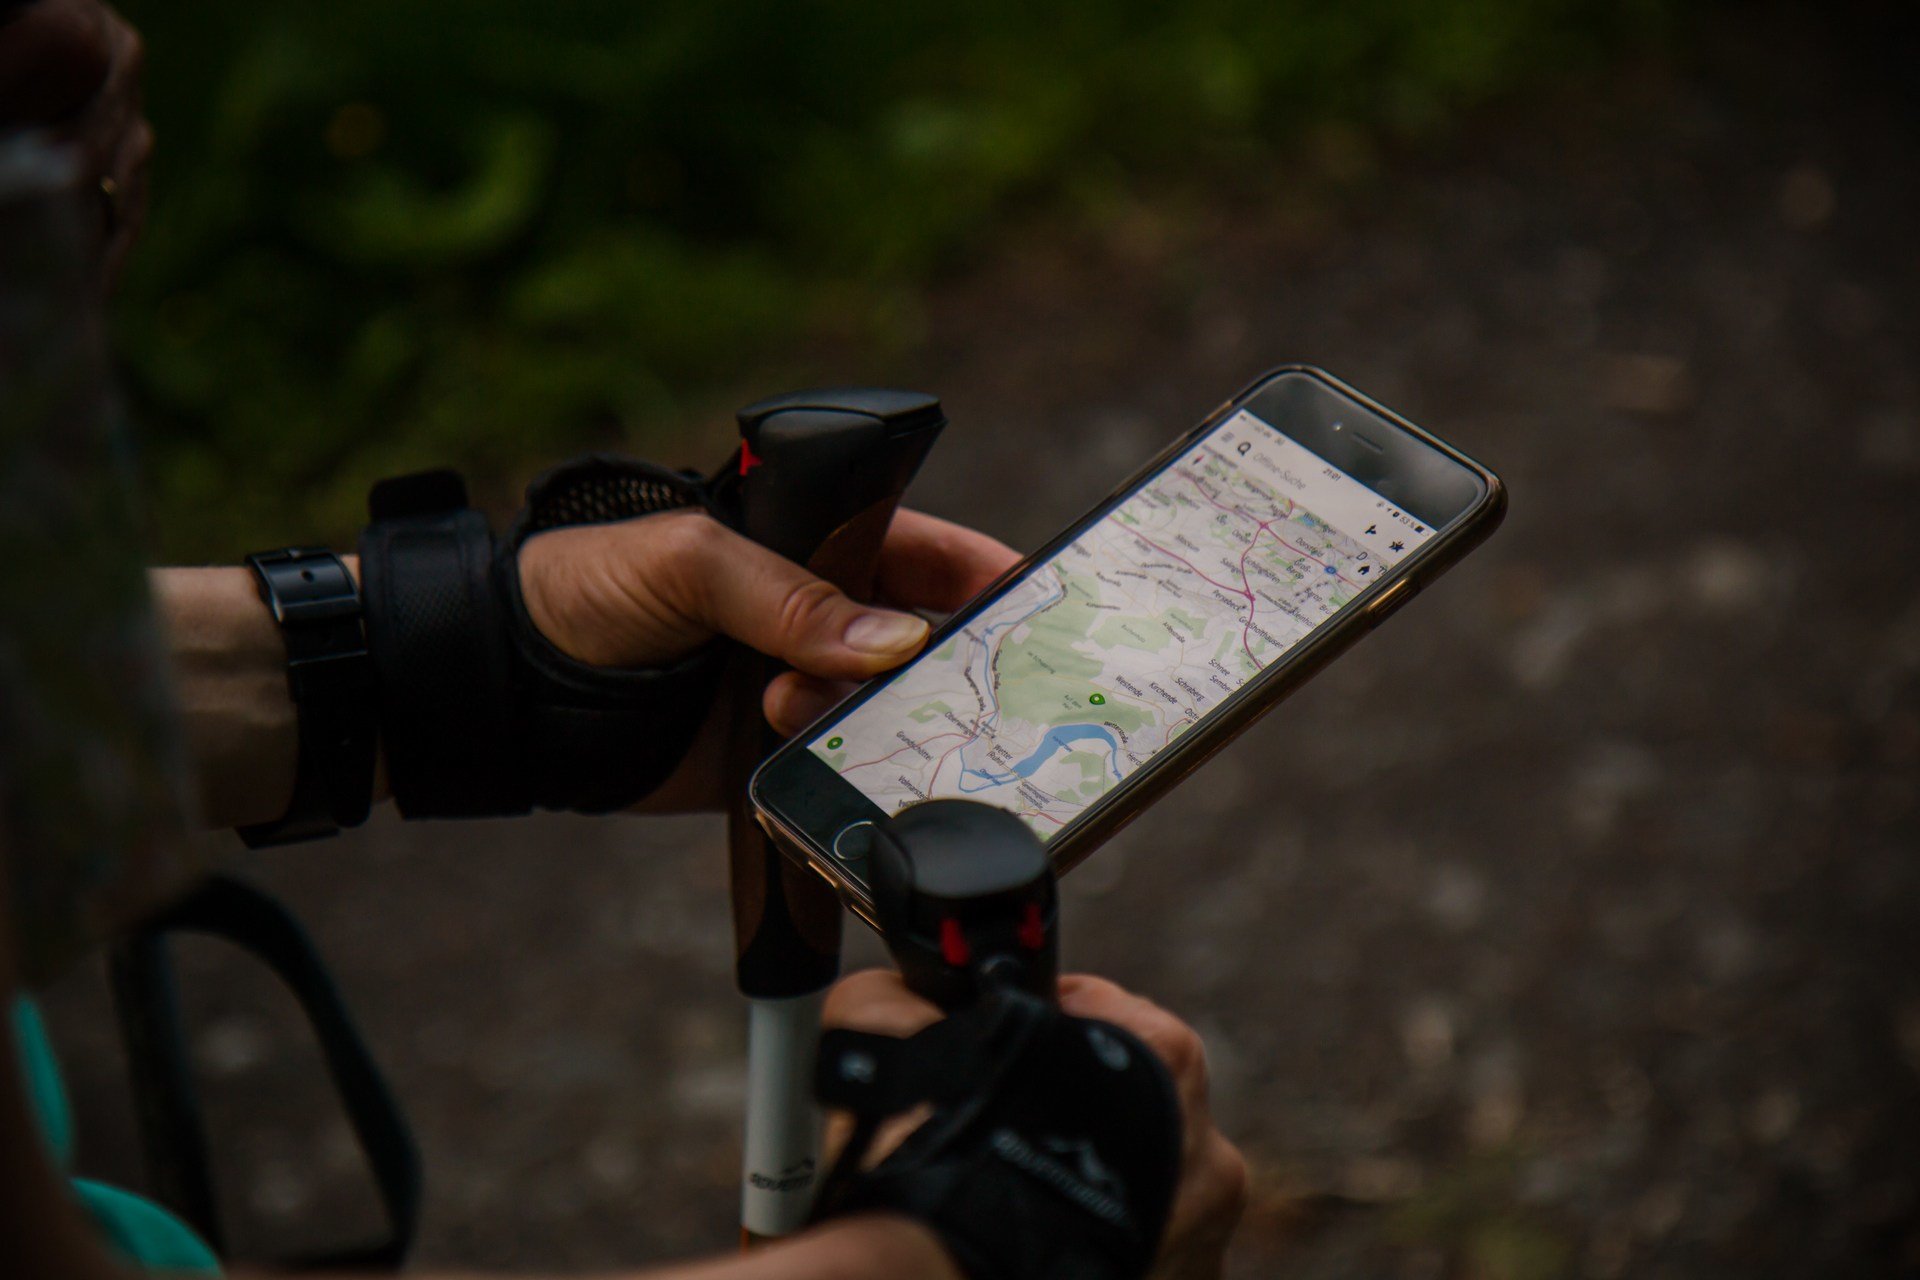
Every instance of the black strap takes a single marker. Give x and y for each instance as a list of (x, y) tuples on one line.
[(314, 600), (166, 1099), (440, 652)]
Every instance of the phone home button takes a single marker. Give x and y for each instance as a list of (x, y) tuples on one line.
[(854, 842)]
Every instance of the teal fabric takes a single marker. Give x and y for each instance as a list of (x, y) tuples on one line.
[(144, 1234), (45, 1094), (140, 1231)]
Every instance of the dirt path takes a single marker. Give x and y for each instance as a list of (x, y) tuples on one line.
[(1564, 928)]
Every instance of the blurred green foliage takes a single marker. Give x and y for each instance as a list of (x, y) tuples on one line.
[(396, 234)]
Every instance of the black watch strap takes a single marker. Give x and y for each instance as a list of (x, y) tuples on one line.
[(317, 604)]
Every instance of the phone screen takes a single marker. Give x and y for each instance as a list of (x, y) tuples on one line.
[(1079, 673)]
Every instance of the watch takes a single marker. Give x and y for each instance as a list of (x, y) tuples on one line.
[(316, 602)]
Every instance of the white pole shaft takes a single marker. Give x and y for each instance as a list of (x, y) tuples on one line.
[(782, 1145)]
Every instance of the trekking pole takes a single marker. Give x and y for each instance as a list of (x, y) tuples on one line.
[(818, 477)]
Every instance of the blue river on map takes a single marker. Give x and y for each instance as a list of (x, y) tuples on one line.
[(1057, 737)]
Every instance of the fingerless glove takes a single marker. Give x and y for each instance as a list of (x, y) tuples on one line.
[(480, 715), (1052, 1151)]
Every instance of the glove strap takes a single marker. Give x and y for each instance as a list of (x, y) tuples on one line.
[(439, 640)]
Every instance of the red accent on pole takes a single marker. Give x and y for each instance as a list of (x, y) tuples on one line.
[(748, 460), (1033, 929), (953, 943)]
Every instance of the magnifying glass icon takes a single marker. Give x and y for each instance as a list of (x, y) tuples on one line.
[(1244, 446)]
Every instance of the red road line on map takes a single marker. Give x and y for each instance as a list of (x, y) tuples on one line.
[(1265, 527), (1046, 817), (961, 745), (1247, 627), (896, 751)]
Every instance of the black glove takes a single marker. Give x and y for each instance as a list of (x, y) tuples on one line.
[(1052, 1153), (480, 716)]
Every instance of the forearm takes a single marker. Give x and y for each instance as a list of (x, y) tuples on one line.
[(230, 677), (865, 1247)]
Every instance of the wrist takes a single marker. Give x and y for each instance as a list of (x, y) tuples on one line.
[(229, 666)]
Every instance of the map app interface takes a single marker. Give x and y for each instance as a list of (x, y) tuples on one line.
[(1058, 690)]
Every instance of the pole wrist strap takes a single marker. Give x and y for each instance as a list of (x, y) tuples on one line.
[(440, 651)]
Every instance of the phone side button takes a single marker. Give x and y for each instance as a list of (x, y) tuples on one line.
[(1389, 600), (825, 879)]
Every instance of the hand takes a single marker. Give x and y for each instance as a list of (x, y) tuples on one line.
[(1213, 1173), (647, 592), (72, 68)]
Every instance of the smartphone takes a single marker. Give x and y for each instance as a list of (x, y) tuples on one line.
[(1112, 662)]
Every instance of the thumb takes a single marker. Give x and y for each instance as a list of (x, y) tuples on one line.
[(740, 589)]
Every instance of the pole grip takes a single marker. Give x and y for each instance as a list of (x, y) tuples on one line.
[(966, 899), (817, 478)]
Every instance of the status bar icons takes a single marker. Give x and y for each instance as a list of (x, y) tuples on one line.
[(1399, 516)]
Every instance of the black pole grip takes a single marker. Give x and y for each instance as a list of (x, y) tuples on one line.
[(818, 477), (966, 900)]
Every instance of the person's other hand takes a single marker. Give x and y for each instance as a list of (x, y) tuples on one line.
[(72, 69), (648, 592), (1213, 1174)]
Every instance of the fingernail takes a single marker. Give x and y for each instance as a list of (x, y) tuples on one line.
[(885, 633)]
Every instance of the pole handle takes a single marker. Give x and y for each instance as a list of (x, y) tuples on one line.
[(817, 478), (966, 899)]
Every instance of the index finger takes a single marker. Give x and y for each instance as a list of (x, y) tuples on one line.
[(930, 563), (876, 1000)]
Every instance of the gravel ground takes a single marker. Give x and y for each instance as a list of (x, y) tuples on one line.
[(1563, 928)]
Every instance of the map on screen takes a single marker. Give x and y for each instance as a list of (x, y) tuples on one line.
[(1071, 680)]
